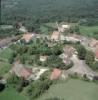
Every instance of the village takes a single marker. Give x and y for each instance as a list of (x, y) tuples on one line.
[(56, 54)]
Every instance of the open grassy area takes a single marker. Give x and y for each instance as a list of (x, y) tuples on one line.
[(47, 28), (11, 94), (5, 54), (73, 90), (4, 68), (88, 30)]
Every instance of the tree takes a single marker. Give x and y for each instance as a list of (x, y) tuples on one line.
[(13, 80), (22, 83), (81, 51), (95, 65), (2, 86), (90, 58), (36, 88)]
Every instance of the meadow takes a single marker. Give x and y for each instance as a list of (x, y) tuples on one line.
[(88, 30), (11, 94), (73, 89), (4, 68), (5, 54)]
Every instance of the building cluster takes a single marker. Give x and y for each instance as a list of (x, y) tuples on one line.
[(23, 71)]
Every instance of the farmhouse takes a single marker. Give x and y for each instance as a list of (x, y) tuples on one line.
[(64, 27), (21, 71), (43, 58), (55, 36), (27, 73), (28, 36), (55, 74)]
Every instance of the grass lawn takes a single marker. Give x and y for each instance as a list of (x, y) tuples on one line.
[(11, 94), (44, 29), (88, 30), (4, 68), (5, 54), (73, 89), (53, 25)]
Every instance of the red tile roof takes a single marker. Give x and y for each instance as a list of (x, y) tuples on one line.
[(55, 35), (21, 71), (27, 37), (55, 74), (25, 73)]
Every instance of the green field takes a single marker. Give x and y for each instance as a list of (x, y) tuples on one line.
[(48, 28), (73, 90), (88, 30), (4, 68), (11, 94), (5, 54)]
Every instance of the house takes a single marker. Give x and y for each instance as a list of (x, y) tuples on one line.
[(55, 74), (27, 73), (55, 36), (27, 37), (64, 27), (21, 71), (73, 38), (43, 58)]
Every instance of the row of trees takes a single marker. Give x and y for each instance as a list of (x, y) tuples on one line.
[(36, 88), (32, 89), (88, 56), (16, 82), (8, 32)]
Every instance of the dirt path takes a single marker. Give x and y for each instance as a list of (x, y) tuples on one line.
[(80, 67)]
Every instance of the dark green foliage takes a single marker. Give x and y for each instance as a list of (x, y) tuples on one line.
[(8, 32), (35, 89), (34, 12), (81, 51), (95, 65), (95, 35), (16, 82), (90, 58), (56, 62), (22, 83), (2, 87), (13, 80)]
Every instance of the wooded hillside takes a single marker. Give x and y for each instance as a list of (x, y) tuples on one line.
[(30, 11)]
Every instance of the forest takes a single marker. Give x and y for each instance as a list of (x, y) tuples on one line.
[(32, 12)]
